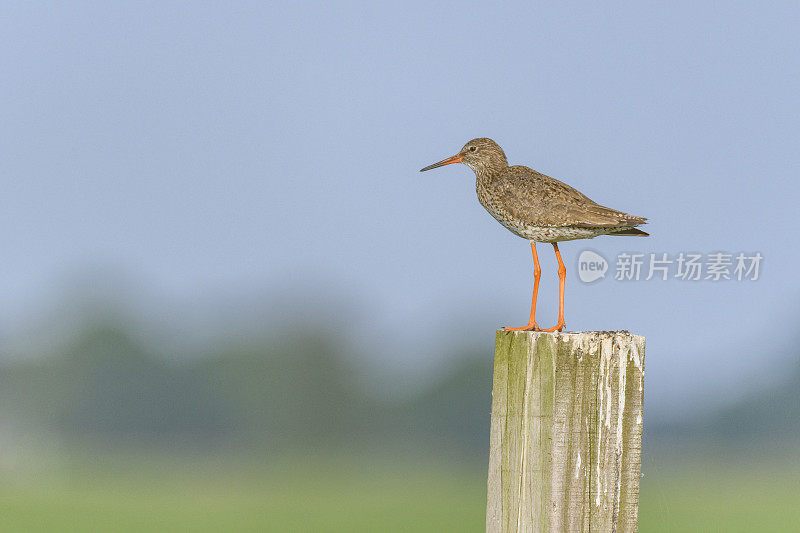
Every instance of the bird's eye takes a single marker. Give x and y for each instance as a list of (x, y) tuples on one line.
[(472, 148)]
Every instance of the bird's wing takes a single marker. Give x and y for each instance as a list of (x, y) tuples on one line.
[(544, 201)]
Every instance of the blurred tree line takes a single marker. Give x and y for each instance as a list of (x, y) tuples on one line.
[(299, 389)]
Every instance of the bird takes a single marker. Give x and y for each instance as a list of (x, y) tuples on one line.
[(538, 208)]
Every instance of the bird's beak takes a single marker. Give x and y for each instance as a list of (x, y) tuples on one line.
[(449, 161)]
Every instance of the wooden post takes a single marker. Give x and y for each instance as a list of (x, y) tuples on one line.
[(566, 436)]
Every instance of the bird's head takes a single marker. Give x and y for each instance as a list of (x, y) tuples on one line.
[(481, 155)]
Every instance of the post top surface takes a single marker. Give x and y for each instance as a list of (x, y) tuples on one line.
[(598, 335)]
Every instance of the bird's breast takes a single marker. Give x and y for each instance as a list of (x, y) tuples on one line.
[(492, 202)]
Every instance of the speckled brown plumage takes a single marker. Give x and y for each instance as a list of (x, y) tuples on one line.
[(538, 208), (535, 206)]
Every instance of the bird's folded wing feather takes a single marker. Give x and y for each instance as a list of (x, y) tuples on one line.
[(540, 200)]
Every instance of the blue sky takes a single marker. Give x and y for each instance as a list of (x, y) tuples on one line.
[(274, 148)]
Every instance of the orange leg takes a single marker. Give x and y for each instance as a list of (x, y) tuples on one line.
[(537, 273), (562, 279)]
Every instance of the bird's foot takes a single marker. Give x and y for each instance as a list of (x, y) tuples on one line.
[(557, 327), (530, 327)]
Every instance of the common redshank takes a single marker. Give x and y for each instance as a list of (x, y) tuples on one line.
[(537, 208)]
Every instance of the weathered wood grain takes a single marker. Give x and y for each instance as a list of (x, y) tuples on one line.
[(565, 442)]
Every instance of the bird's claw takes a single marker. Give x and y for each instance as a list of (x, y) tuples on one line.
[(557, 327), (529, 327)]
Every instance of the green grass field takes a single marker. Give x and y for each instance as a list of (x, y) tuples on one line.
[(367, 495), (746, 494)]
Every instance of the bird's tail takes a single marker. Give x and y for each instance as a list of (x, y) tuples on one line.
[(631, 231)]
